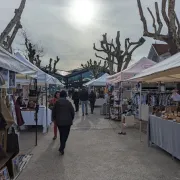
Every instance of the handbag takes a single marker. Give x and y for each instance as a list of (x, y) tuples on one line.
[(33, 92), (12, 142)]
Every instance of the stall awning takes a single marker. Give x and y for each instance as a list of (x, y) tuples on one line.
[(165, 71), (41, 76), (101, 81), (12, 63), (131, 71)]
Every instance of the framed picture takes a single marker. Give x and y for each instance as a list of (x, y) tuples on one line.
[(4, 174), (12, 79), (5, 75), (16, 165)]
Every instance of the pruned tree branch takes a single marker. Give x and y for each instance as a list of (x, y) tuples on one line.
[(154, 21), (13, 22), (55, 64), (158, 19), (95, 67), (123, 57), (172, 38)]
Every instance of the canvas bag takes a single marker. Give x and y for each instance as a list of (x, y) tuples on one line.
[(12, 142)]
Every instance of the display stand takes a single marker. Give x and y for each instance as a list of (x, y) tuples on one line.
[(5, 155)]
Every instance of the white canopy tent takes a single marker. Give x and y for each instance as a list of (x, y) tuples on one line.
[(12, 63), (165, 71), (131, 71), (41, 76), (86, 84), (101, 81)]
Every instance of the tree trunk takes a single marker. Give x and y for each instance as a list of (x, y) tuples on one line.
[(127, 61), (173, 49), (12, 23)]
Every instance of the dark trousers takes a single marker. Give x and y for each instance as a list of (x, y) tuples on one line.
[(64, 133), (76, 103), (92, 103)]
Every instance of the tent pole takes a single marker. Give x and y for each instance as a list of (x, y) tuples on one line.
[(140, 128), (36, 112), (46, 105), (121, 101)]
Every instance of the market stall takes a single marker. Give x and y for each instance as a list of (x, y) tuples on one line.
[(123, 88), (9, 142), (98, 85), (164, 121), (44, 114)]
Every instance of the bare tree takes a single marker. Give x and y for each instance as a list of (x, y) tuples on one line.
[(33, 51), (52, 68), (109, 59), (95, 67), (172, 38), (50, 64), (55, 64), (6, 40), (114, 50)]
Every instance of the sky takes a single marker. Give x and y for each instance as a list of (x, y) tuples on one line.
[(68, 28)]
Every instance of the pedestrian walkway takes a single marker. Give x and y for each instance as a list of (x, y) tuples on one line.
[(96, 152)]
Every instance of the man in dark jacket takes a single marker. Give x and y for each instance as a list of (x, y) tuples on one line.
[(83, 96), (75, 98), (63, 115), (92, 100)]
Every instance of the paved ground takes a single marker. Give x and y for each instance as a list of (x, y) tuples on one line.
[(95, 151)]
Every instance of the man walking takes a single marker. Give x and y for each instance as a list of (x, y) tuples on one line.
[(92, 100), (83, 96), (63, 115), (75, 98)]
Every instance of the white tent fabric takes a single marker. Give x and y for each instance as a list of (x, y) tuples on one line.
[(131, 71), (165, 71), (40, 76), (101, 81), (12, 63), (86, 84)]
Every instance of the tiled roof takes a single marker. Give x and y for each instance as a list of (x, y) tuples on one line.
[(161, 48)]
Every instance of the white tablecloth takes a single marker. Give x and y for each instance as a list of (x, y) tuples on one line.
[(28, 117)]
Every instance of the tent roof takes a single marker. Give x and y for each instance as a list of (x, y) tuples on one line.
[(12, 63), (132, 70), (101, 81), (87, 84), (165, 71), (41, 76)]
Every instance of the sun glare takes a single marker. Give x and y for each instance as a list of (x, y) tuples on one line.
[(82, 11)]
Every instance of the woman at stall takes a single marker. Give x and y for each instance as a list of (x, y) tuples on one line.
[(51, 105), (18, 104)]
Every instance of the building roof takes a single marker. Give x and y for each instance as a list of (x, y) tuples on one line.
[(161, 48), (63, 73)]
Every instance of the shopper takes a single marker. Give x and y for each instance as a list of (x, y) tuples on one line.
[(63, 115), (75, 98), (51, 105), (92, 99), (83, 96), (19, 117)]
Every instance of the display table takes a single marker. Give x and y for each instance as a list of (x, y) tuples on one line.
[(165, 134), (28, 116)]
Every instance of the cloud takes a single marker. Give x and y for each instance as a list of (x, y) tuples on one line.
[(50, 24)]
